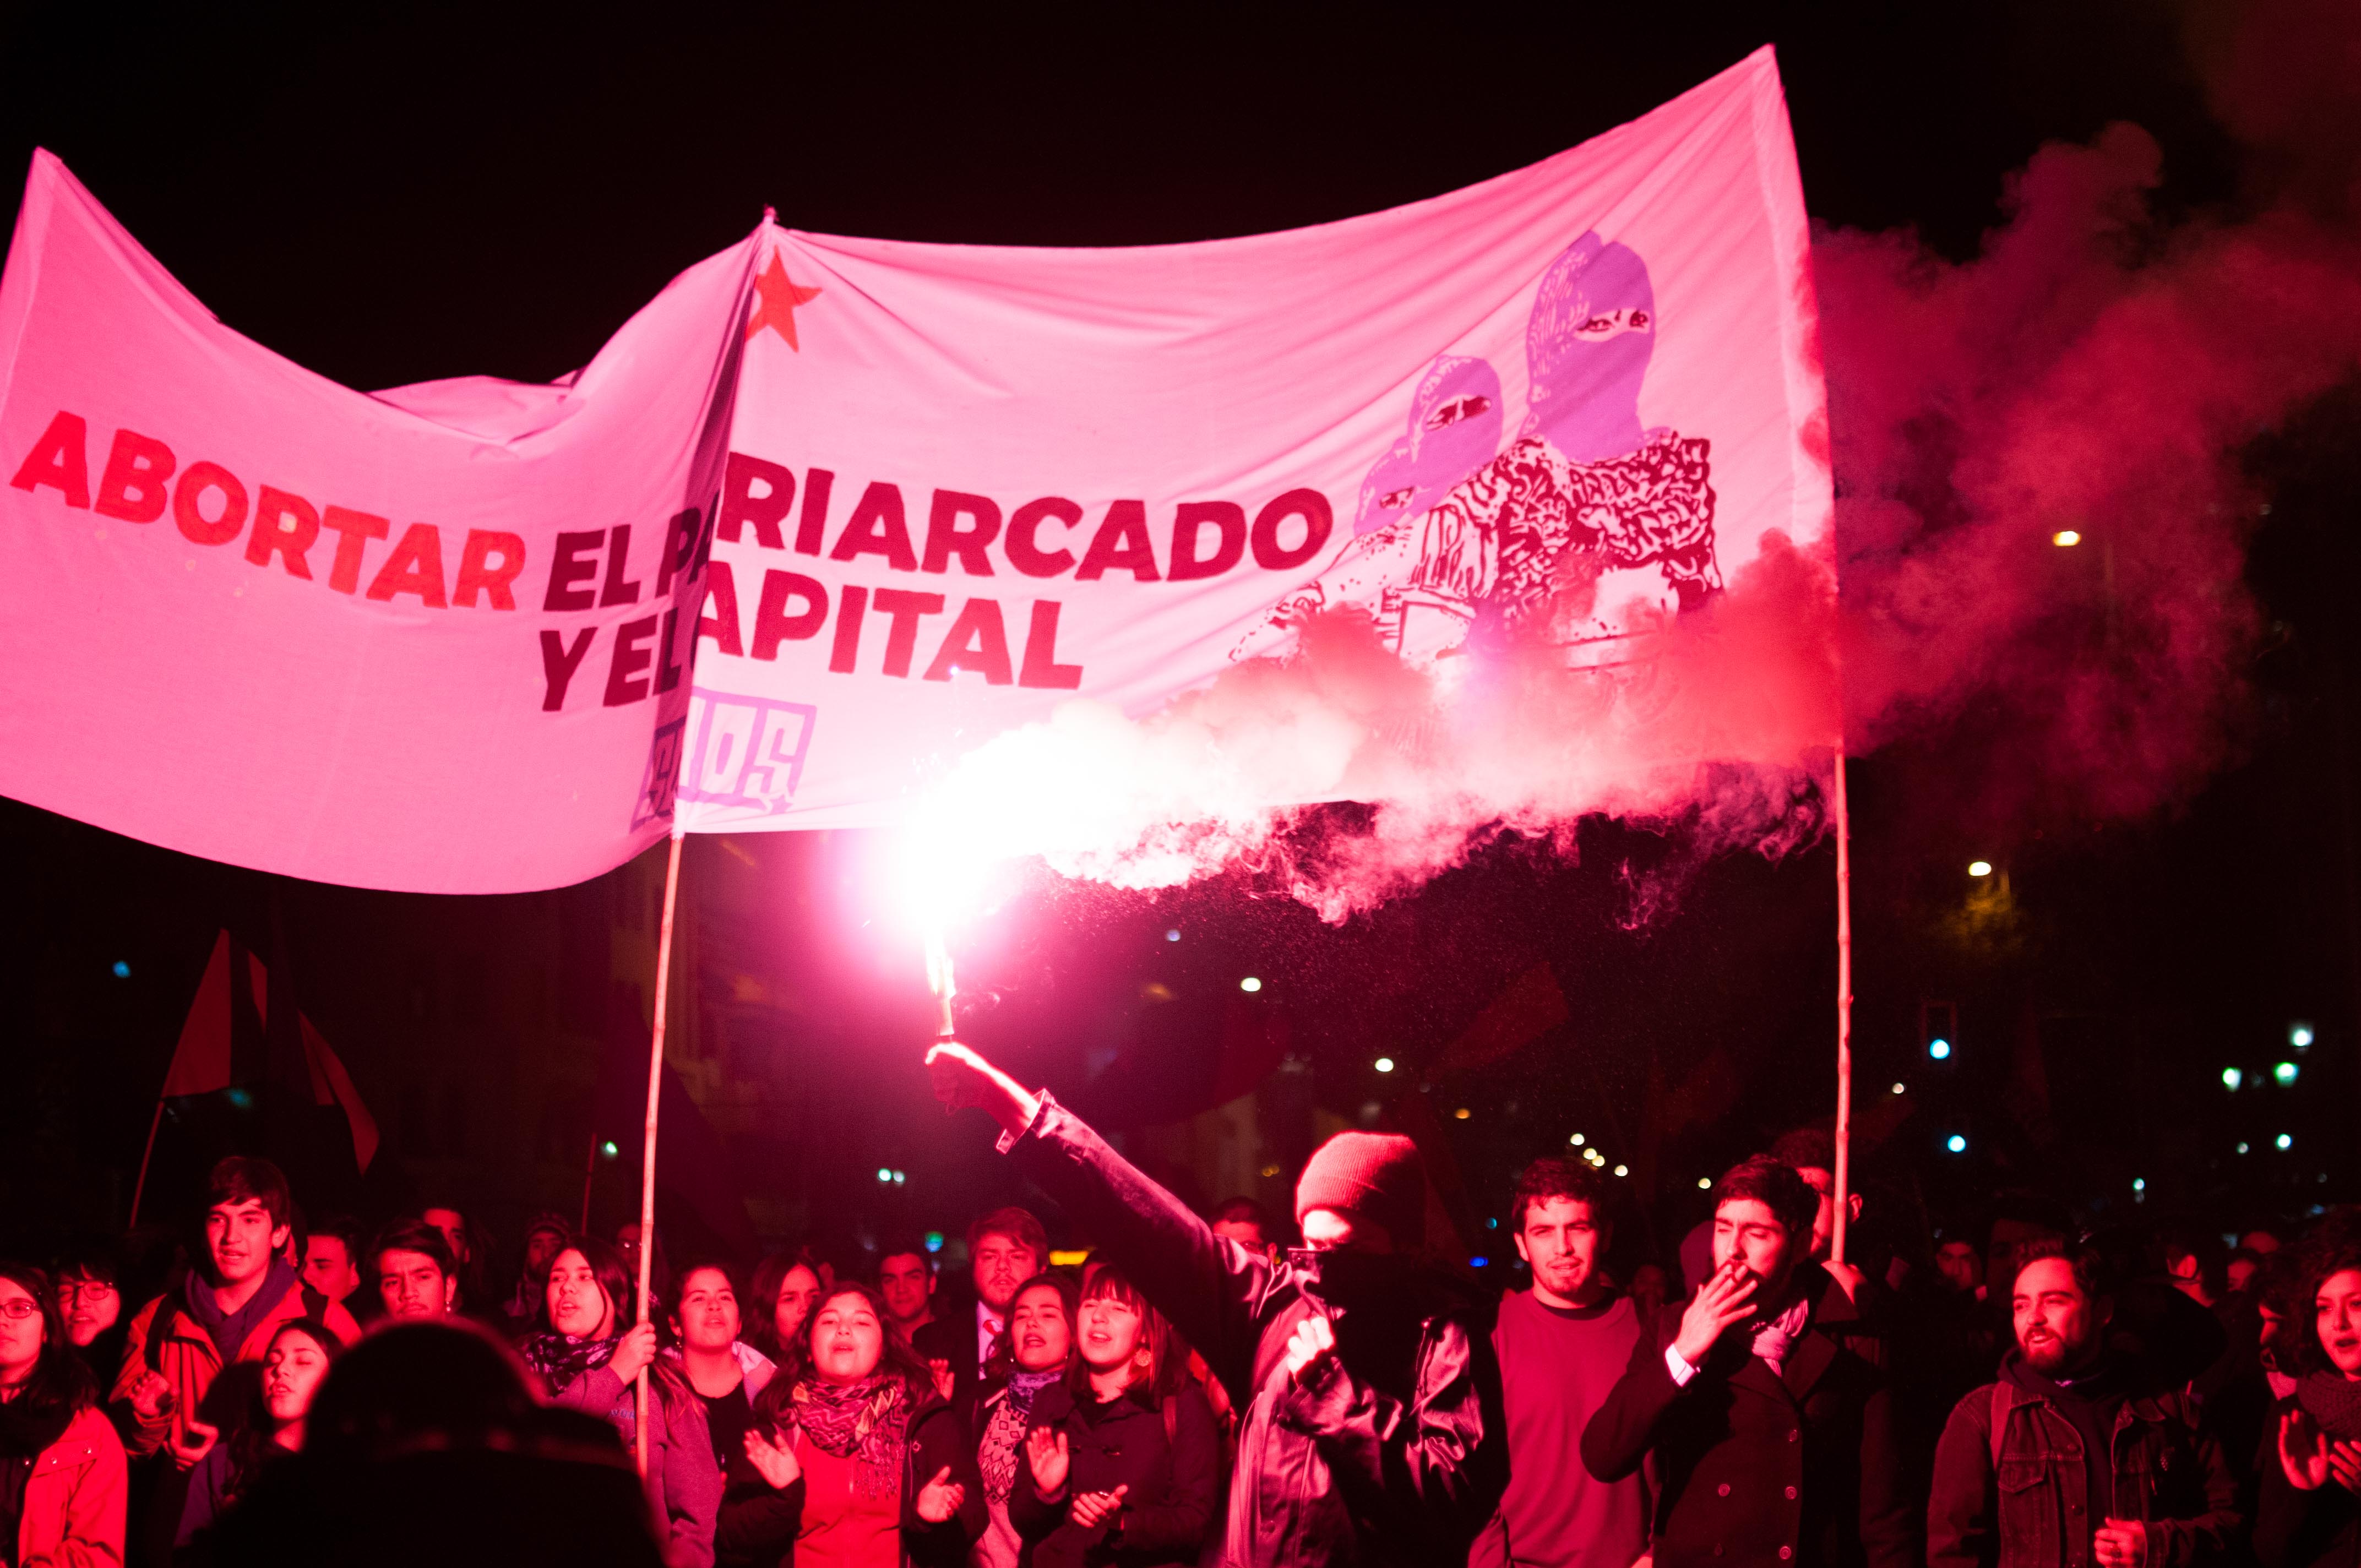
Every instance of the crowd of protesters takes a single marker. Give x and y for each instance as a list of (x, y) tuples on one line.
[(1195, 1392)]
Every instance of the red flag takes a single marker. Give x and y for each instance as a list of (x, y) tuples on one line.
[(1530, 1008), (331, 1085), (201, 1064), (200, 1061)]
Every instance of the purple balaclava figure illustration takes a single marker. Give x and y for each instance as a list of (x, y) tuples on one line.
[(1454, 429), (1587, 346)]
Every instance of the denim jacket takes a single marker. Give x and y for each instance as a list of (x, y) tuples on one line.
[(2017, 1501)]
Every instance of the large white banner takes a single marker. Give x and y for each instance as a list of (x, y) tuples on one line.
[(969, 484)]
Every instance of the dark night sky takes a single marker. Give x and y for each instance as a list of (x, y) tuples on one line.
[(389, 194)]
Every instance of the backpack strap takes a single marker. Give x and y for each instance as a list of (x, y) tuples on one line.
[(159, 1328), (1999, 1422)]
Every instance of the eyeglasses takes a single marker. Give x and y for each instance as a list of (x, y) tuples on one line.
[(20, 1309), (95, 1289)]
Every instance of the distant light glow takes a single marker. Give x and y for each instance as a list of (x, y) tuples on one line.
[(1462, 1114), (1957, 1142), (1940, 1049), (884, 1173), (2065, 539), (240, 1098), (609, 1149), (1979, 868), (1491, 1224), (2285, 1140), (122, 970), (2232, 1077), (1901, 1089), (1173, 935), (2139, 1183), (2285, 1073), (2299, 1036), (900, 1176), (2241, 1148), (1383, 1064), (1575, 1139), (1479, 1263), (1622, 1170), (1250, 984), (1705, 1183), (934, 1241)]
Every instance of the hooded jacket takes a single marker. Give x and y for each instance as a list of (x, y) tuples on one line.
[(684, 1485), (74, 1499), (1393, 1454)]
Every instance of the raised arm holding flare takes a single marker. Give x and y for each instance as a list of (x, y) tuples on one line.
[(1372, 1428)]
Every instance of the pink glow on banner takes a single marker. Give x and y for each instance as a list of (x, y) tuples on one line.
[(418, 640), (1113, 556)]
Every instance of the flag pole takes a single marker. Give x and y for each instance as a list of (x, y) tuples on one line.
[(1844, 1013), (140, 1186), (648, 1150)]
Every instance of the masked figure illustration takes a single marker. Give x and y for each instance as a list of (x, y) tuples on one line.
[(1584, 500)]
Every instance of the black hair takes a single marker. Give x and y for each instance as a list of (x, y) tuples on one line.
[(1558, 1175), (1774, 1184), (60, 1386), (242, 1179)]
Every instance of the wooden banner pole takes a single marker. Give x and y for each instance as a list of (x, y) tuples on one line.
[(1844, 1013), (648, 1150)]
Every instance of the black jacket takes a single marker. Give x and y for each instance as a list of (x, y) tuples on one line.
[(1173, 1481), (1396, 1455), (1797, 1469), (951, 1337), (759, 1525), (2320, 1529)]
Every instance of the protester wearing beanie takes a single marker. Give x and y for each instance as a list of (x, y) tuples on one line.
[(1375, 1177), (1371, 1431)]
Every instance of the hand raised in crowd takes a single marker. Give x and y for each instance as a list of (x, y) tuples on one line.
[(940, 1499), (151, 1397), (2120, 1543), (1095, 1509), (1308, 1350), (634, 1351), (944, 1382), (190, 1446), (775, 1461), (1046, 1452), (961, 1079), (2303, 1451), (1726, 1298)]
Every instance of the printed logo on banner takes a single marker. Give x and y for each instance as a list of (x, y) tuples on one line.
[(662, 776), (742, 753)]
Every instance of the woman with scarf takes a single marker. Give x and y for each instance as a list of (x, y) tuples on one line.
[(1031, 1356), (862, 1464), (62, 1486), (588, 1360), (1123, 1463), (2310, 1515)]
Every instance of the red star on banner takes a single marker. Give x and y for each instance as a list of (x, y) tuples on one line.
[(776, 297)]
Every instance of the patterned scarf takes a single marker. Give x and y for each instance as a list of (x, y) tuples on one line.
[(867, 1422), (561, 1358), (1004, 1435), (2335, 1401)]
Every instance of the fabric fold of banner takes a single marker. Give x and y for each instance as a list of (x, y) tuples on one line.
[(970, 485), (418, 640)]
